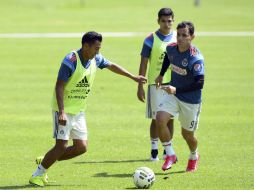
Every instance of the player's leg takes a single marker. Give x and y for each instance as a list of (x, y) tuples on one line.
[(167, 109), (79, 136), (171, 127), (165, 137), (38, 177), (79, 147), (55, 153), (154, 138), (171, 130), (151, 114), (162, 119), (61, 134), (188, 117), (192, 142)]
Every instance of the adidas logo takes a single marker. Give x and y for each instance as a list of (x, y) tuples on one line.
[(83, 83)]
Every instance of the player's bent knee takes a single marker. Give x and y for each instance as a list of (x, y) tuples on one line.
[(81, 147)]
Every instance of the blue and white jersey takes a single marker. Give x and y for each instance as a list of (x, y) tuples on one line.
[(69, 64), (184, 67), (148, 42)]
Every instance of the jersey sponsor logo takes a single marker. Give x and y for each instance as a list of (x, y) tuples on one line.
[(178, 70), (184, 62), (81, 91), (83, 83), (197, 67)]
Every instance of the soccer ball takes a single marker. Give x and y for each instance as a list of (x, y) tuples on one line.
[(143, 177)]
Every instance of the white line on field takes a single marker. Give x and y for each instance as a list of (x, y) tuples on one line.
[(113, 34)]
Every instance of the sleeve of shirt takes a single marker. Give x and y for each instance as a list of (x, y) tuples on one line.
[(101, 62), (198, 68), (67, 67), (147, 46), (64, 73)]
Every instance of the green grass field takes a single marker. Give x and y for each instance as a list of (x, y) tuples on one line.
[(118, 131)]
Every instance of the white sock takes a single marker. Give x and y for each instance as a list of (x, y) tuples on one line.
[(168, 148), (194, 155), (40, 171), (154, 143)]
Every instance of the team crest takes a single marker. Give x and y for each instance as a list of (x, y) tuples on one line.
[(184, 62)]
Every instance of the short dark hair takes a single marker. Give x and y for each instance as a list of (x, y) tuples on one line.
[(165, 12), (91, 37), (187, 24)]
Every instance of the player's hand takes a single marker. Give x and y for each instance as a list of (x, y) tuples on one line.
[(158, 81), (169, 89), (141, 93), (140, 79), (62, 118)]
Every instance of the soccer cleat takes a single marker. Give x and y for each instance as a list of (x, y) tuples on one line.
[(154, 155), (37, 180), (192, 165), (169, 161)]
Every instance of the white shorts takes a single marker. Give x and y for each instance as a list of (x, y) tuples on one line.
[(75, 127), (154, 97), (188, 113)]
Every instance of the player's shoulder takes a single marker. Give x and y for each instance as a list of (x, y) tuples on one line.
[(70, 60), (71, 57), (195, 53), (149, 40), (171, 46), (150, 35)]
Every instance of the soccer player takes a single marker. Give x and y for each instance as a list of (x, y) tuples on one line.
[(183, 96), (73, 85), (153, 52)]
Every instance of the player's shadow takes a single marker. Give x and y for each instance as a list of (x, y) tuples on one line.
[(125, 175), (111, 161), (173, 172), (106, 174), (22, 186)]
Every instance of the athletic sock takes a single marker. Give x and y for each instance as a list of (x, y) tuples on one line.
[(168, 148), (194, 155), (154, 143), (40, 171)]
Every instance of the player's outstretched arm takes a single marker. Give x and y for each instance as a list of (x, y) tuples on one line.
[(142, 72), (121, 71)]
